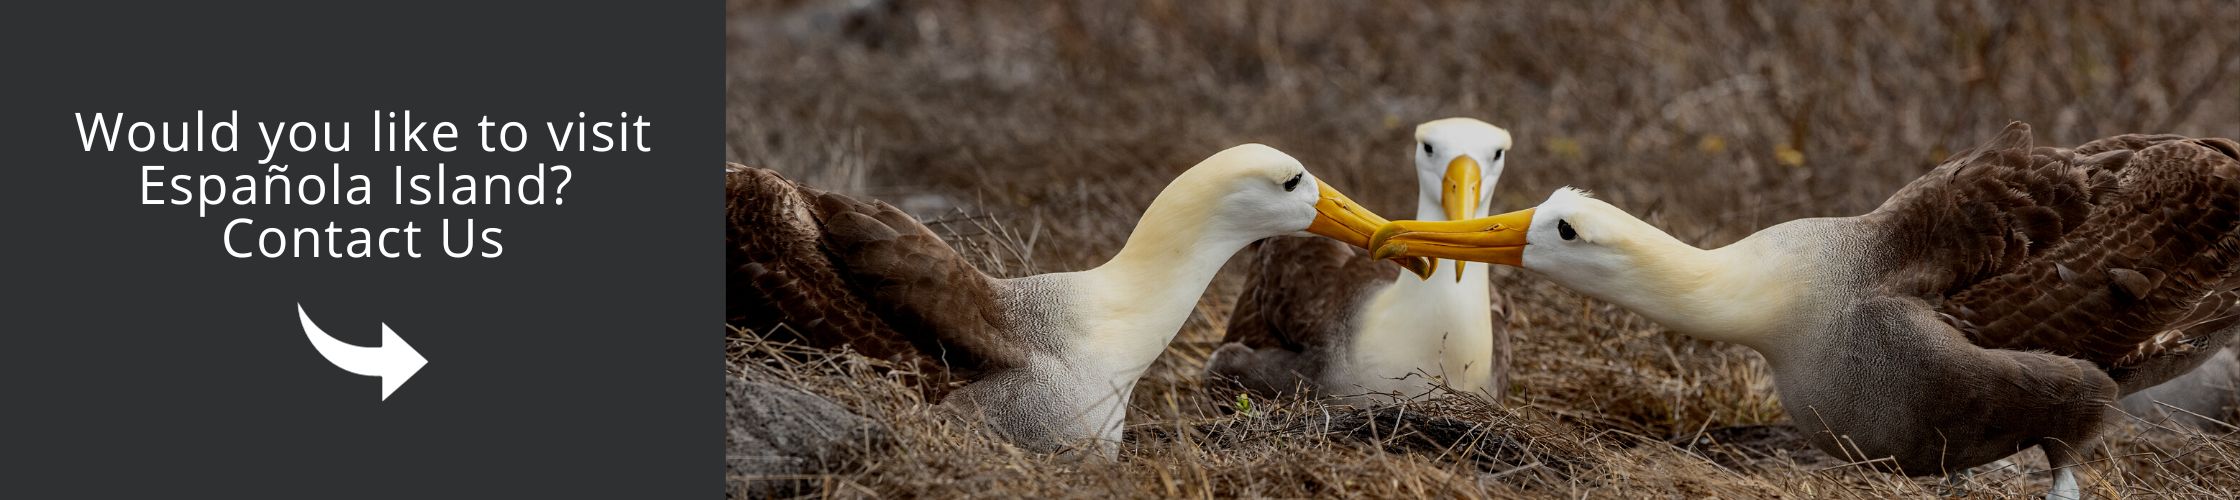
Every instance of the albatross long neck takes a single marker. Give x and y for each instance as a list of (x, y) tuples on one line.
[(1746, 293), (1142, 296)]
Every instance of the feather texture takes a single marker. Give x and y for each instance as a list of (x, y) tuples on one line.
[(839, 271), (2119, 252), (1297, 310), (1306, 312)]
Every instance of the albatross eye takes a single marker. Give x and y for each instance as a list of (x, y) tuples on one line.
[(1564, 229), (1497, 154), (1293, 184), (1427, 149)]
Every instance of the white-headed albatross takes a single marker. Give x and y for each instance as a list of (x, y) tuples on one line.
[(1050, 359), (2002, 301), (1320, 316)]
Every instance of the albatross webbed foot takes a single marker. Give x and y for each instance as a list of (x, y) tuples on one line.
[(2065, 485), (1956, 484)]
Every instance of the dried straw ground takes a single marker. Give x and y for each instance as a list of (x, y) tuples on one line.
[(1036, 132)]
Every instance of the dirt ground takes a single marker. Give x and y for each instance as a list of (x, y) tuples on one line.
[(1034, 133)]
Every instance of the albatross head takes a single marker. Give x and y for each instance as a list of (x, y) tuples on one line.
[(1594, 248), (1457, 162), (1251, 192), (1571, 234), (1257, 191)]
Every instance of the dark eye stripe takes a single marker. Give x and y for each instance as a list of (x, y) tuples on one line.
[(1426, 148), (1497, 153), (1564, 229), (1293, 184)]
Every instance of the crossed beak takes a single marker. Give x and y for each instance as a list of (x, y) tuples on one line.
[(1338, 217), (1498, 239), (1459, 196)]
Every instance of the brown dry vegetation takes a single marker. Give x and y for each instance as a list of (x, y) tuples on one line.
[(1037, 131)]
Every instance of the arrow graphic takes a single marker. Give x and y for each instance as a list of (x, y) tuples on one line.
[(394, 361)]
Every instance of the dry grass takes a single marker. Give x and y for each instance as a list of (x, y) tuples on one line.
[(1037, 131)]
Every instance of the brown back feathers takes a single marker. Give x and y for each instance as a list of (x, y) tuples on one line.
[(835, 271), (2115, 252)]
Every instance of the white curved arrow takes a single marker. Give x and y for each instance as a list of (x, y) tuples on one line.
[(394, 361)]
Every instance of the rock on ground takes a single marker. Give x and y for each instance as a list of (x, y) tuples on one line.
[(780, 438)]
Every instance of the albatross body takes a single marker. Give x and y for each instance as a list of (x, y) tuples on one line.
[(1320, 316), (1049, 359), (2207, 398), (2000, 302)]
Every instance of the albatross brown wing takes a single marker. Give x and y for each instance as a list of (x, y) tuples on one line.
[(1298, 307), (2121, 252), (840, 271)]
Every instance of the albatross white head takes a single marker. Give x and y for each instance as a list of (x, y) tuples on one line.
[(1738, 293), (1207, 214), (1246, 193), (1457, 162)]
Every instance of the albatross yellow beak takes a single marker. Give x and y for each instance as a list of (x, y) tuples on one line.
[(1460, 195), (1338, 217), (1498, 239)]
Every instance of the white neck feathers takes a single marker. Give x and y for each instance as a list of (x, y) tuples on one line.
[(1740, 293), (1137, 301)]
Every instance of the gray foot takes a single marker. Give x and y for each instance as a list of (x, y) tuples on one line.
[(1956, 484), (2065, 485)]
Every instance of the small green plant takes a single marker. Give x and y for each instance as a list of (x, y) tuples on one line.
[(1244, 404)]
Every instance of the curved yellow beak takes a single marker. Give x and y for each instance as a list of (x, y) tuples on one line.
[(1498, 239), (1338, 217), (1459, 197)]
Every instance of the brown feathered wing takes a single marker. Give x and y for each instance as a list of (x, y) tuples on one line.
[(834, 270), (1296, 312), (2121, 252)]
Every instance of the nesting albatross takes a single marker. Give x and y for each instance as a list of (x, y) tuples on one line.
[(2001, 301), (1050, 359), (1320, 316)]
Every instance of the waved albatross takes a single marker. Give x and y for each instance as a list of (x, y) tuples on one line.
[(2002, 301), (1050, 359), (1320, 316)]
